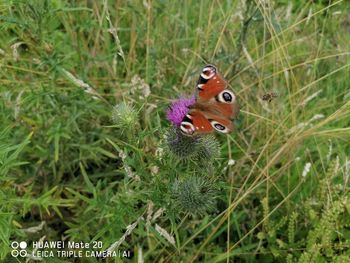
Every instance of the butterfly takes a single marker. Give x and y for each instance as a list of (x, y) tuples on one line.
[(269, 96), (215, 106)]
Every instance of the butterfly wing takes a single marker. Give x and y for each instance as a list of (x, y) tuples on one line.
[(212, 91), (200, 122), (210, 84), (215, 106), (195, 122)]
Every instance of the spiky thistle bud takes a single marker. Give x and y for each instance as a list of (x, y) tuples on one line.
[(124, 115), (194, 195), (199, 148), (208, 148)]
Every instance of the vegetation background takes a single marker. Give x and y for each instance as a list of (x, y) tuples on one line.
[(86, 152)]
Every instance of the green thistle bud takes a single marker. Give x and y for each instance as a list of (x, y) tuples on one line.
[(194, 195), (208, 148), (124, 115), (199, 147), (180, 145)]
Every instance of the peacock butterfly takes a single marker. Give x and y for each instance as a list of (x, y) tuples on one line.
[(215, 106)]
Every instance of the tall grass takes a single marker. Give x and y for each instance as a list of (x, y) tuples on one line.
[(84, 148)]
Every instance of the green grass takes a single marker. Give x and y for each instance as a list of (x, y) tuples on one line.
[(94, 171)]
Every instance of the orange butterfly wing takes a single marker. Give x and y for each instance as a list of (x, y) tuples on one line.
[(210, 83)]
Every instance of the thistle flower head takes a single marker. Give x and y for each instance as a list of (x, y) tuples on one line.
[(179, 109), (194, 195)]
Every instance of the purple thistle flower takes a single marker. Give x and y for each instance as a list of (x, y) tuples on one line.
[(179, 109)]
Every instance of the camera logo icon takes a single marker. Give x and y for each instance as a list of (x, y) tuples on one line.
[(18, 249)]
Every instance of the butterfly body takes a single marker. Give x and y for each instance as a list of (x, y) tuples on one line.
[(215, 107)]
